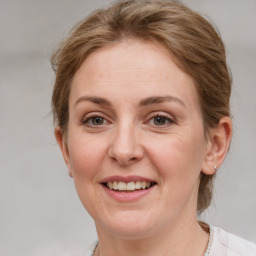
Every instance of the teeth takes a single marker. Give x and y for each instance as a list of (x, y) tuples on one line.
[(110, 185), (115, 185), (130, 186), (121, 186), (138, 185)]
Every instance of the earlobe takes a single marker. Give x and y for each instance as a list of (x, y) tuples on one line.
[(218, 145), (61, 140)]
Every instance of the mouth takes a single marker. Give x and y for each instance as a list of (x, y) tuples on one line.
[(126, 189), (130, 186)]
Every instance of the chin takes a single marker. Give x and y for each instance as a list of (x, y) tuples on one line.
[(127, 226)]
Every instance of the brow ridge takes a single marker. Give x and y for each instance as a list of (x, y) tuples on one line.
[(96, 100), (144, 102), (160, 99)]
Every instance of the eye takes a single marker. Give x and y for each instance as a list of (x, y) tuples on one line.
[(97, 120), (94, 120), (160, 120)]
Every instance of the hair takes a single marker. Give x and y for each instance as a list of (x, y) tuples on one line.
[(193, 42)]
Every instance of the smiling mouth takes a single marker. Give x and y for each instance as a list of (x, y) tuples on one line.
[(129, 186)]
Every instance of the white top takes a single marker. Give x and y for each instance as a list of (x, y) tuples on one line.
[(222, 243)]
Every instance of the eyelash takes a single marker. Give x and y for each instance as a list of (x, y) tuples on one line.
[(88, 120), (161, 115)]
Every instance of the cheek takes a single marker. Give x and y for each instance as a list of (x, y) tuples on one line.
[(178, 157), (86, 155), (86, 158)]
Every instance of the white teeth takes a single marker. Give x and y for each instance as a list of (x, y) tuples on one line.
[(115, 185), (110, 185), (130, 186), (121, 186), (138, 185)]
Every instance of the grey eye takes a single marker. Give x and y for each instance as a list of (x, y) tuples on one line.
[(97, 120), (160, 120)]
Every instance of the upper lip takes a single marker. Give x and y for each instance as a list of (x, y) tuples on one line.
[(126, 179)]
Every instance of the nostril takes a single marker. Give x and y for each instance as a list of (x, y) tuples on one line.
[(125, 154), (124, 160)]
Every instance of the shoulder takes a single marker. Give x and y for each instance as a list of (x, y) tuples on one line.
[(93, 248), (89, 253), (224, 243)]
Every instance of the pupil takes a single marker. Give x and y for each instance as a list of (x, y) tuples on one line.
[(97, 120), (159, 120)]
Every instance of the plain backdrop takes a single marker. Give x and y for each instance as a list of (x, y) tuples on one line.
[(40, 213)]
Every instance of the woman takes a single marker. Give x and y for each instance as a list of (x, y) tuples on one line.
[(141, 105)]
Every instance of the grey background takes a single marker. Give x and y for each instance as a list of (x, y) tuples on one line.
[(40, 213)]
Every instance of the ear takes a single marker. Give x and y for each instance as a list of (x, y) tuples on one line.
[(61, 140), (217, 145)]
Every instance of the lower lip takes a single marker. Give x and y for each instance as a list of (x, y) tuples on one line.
[(127, 196)]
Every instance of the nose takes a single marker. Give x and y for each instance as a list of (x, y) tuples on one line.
[(125, 148)]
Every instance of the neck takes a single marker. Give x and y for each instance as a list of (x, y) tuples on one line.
[(179, 240)]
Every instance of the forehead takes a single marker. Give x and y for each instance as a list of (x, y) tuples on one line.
[(132, 66)]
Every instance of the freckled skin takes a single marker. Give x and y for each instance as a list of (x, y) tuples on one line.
[(127, 140), (173, 156)]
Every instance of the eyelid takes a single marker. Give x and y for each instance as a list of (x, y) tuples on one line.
[(90, 115), (168, 117), (162, 114)]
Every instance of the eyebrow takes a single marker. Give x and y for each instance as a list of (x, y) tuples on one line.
[(161, 99), (96, 100), (144, 102)]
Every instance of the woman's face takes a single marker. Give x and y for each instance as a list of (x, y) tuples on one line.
[(135, 122)]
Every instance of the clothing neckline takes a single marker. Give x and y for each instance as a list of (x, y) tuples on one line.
[(206, 227), (209, 229)]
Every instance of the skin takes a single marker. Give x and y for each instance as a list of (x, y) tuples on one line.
[(116, 84)]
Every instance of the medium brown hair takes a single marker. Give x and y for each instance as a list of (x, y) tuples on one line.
[(190, 38)]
